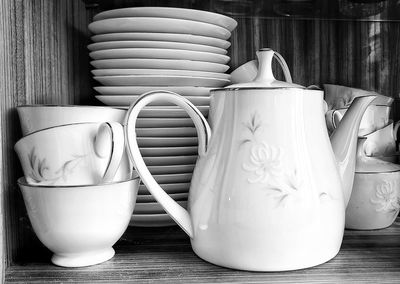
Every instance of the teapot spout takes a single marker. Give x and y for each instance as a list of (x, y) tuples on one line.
[(344, 142)]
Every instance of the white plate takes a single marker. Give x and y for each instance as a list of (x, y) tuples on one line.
[(153, 207), (170, 111), (128, 100), (168, 72), (150, 198), (167, 132), (155, 44), (158, 25), (169, 188), (175, 37), (166, 141), (159, 53), (170, 160), (168, 151), (139, 90), (167, 12), (173, 178), (173, 169), (163, 122), (160, 80), (151, 220), (147, 63)]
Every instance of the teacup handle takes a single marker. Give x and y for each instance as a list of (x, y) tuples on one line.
[(110, 136), (177, 212), (333, 118), (284, 66)]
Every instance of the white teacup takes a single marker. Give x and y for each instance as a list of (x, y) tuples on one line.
[(74, 154), (80, 224), (382, 142), (375, 117), (38, 117)]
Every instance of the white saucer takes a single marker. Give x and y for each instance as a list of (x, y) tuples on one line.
[(155, 44), (171, 37), (159, 53), (167, 72), (161, 80), (171, 160), (173, 169), (151, 220), (139, 90), (168, 12), (168, 151), (170, 188), (166, 132), (166, 141), (143, 198), (148, 63), (154, 24), (128, 100)]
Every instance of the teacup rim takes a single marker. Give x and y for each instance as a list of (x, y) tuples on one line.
[(69, 106), (61, 125), (22, 181)]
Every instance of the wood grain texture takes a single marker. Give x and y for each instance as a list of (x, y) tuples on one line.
[(44, 60), (164, 255)]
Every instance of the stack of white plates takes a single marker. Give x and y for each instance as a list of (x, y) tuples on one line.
[(141, 49)]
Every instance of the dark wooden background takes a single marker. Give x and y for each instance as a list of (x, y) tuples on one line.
[(44, 60)]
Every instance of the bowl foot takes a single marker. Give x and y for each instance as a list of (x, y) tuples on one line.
[(82, 259)]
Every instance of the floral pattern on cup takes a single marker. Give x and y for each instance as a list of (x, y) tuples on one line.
[(386, 198), (40, 171)]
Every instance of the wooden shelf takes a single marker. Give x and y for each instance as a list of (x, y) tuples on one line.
[(165, 255)]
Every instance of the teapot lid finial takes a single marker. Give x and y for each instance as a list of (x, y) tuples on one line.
[(265, 78)]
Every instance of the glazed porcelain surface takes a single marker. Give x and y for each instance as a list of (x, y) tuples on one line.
[(38, 117), (80, 224), (267, 193), (375, 198), (75, 154), (374, 118), (382, 142)]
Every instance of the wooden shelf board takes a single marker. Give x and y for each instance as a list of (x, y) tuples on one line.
[(164, 255)]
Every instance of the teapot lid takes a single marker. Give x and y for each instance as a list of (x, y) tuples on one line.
[(265, 78), (365, 164)]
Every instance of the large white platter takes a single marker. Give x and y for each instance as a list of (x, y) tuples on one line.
[(166, 141), (166, 132), (153, 207), (139, 90), (168, 151), (151, 220), (169, 188), (147, 63), (168, 72), (161, 80), (169, 111), (164, 122), (174, 169), (128, 100), (158, 25), (175, 37), (167, 12), (170, 160), (159, 53), (155, 44), (142, 198)]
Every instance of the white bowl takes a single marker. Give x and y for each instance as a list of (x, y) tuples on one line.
[(374, 202), (80, 224)]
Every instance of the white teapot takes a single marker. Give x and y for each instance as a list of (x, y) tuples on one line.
[(269, 191)]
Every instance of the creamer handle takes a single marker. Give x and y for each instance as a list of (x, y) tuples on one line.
[(177, 212)]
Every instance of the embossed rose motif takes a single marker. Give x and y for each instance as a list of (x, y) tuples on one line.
[(386, 198), (265, 162)]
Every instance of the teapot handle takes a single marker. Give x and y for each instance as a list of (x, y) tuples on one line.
[(177, 212), (284, 66)]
